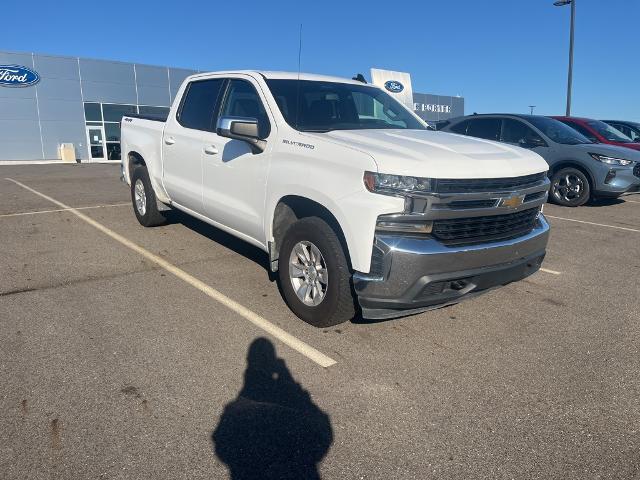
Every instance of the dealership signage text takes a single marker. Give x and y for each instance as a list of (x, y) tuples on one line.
[(431, 107), (17, 76)]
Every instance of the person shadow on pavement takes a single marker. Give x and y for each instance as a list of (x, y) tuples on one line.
[(272, 430)]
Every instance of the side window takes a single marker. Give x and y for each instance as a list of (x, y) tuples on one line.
[(199, 104), (583, 131), (487, 128), (460, 128), (634, 134), (242, 100), (514, 131)]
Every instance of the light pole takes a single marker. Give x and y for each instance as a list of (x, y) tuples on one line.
[(532, 107), (562, 3)]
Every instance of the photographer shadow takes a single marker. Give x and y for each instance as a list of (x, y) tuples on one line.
[(272, 430)]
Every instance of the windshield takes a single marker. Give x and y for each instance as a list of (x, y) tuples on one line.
[(608, 132), (327, 106), (558, 131)]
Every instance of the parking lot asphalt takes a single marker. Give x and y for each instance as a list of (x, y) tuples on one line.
[(113, 367)]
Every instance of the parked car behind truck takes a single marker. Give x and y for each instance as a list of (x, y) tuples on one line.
[(630, 129), (579, 169), (599, 132), (359, 206)]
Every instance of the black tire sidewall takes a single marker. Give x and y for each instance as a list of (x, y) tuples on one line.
[(333, 309), (586, 194), (152, 216)]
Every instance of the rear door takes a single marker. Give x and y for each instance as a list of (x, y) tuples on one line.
[(186, 134)]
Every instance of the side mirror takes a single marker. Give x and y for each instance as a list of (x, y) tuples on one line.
[(241, 128), (532, 142)]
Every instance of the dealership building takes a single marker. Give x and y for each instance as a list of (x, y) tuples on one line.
[(52, 105)]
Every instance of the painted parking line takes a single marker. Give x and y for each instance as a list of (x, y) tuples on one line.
[(35, 212), (596, 224), (552, 272), (275, 331)]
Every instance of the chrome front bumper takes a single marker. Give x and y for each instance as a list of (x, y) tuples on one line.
[(415, 274)]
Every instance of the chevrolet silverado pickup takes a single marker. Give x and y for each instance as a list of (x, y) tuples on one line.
[(361, 208)]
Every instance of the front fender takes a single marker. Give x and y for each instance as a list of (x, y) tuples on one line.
[(356, 214)]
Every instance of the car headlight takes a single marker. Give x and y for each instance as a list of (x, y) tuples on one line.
[(395, 184), (610, 160)]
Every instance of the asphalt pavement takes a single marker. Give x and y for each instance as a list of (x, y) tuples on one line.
[(178, 360)]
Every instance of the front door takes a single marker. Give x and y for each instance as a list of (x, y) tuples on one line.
[(234, 176), (95, 140)]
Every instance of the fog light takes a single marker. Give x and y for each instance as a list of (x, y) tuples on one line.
[(610, 176)]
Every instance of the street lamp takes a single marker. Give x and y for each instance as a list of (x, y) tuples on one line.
[(562, 3), (532, 107)]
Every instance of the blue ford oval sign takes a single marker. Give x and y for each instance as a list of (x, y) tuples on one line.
[(17, 76), (393, 86)]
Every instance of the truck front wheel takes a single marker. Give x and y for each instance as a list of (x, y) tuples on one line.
[(144, 199), (314, 274)]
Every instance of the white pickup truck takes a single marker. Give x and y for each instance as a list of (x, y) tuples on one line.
[(362, 209)]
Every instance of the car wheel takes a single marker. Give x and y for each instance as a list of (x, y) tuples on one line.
[(144, 199), (569, 188), (314, 274)]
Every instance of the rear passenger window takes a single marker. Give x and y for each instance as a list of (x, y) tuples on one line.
[(488, 128), (199, 104)]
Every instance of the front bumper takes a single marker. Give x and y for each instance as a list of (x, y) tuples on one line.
[(415, 274), (616, 181)]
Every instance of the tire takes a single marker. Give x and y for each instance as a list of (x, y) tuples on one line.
[(143, 199), (569, 188), (331, 302)]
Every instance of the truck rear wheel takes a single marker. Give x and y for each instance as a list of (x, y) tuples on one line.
[(144, 199), (314, 274)]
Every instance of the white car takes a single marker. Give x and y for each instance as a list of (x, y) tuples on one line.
[(362, 209)]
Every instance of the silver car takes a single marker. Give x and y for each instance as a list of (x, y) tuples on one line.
[(579, 169)]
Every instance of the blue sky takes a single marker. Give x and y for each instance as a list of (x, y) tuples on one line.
[(501, 55)]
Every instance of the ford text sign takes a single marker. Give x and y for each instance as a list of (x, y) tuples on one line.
[(17, 76), (393, 86)]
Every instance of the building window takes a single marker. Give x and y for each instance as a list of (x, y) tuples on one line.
[(108, 116)]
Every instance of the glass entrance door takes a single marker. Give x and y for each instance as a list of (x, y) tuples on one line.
[(95, 136)]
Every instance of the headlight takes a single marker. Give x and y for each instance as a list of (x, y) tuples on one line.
[(610, 160), (395, 184)]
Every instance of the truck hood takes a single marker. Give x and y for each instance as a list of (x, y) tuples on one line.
[(432, 154)]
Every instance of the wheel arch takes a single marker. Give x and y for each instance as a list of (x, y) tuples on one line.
[(573, 164), (291, 208), (133, 160)]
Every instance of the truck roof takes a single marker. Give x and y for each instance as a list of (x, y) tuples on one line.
[(285, 76)]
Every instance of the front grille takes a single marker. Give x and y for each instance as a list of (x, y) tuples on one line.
[(465, 204), (454, 185), (636, 170), (534, 196), (471, 230)]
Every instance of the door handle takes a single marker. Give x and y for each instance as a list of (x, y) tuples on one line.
[(169, 140), (210, 150)]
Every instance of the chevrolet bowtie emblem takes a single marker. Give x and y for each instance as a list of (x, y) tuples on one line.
[(512, 202)]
